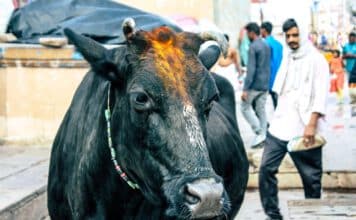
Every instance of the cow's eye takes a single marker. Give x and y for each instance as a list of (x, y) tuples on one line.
[(141, 98), (140, 101)]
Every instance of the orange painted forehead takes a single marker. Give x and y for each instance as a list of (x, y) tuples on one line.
[(168, 58)]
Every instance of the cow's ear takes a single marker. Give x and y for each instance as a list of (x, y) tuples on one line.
[(209, 54), (100, 59)]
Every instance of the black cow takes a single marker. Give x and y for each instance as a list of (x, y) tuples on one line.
[(150, 133)]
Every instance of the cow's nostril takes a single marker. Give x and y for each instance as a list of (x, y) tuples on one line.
[(204, 198), (189, 197)]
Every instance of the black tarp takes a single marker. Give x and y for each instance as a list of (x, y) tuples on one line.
[(97, 19)]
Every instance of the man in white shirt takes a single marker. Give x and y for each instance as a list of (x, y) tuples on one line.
[(302, 87)]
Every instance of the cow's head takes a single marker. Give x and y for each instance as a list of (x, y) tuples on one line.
[(162, 93)]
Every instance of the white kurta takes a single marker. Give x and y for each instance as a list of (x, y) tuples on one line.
[(302, 84)]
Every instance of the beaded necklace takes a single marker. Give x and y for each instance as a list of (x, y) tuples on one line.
[(112, 150)]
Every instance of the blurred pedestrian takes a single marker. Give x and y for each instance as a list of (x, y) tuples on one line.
[(276, 56), (339, 40), (323, 41), (255, 87), (229, 67), (244, 44), (302, 85), (349, 55), (232, 59), (313, 37), (349, 52), (352, 90), (337, 75)]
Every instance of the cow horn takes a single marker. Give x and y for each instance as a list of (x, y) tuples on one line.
[(218, 37), (128, 27)]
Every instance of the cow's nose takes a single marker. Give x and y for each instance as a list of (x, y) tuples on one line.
[(204, 197)]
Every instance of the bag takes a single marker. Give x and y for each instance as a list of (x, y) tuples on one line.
[(297, 143)]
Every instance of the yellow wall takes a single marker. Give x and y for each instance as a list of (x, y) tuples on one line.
[(33, 101)]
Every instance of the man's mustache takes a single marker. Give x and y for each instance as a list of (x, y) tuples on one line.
[(292, 43)]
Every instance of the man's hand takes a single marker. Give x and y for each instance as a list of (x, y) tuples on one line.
[(310, 129), (309, 135), (244, 96)]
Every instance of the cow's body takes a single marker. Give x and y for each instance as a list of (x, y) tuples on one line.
[(83, 183)]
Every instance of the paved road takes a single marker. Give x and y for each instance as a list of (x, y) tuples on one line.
[(252, 210), (23, 177)]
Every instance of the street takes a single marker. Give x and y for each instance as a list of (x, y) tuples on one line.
[(252, 210)]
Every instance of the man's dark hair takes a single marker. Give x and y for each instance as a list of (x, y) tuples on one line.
[(352, 34), (253, 27), (288, 24), (267, 26)]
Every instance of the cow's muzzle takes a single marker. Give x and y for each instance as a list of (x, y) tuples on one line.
[(204, 198), (192, 197)]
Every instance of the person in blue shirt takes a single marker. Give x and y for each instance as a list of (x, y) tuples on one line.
[(349, 55), (349, 52), (276, 56)]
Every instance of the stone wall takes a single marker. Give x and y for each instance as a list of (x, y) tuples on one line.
[(35, 92)]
